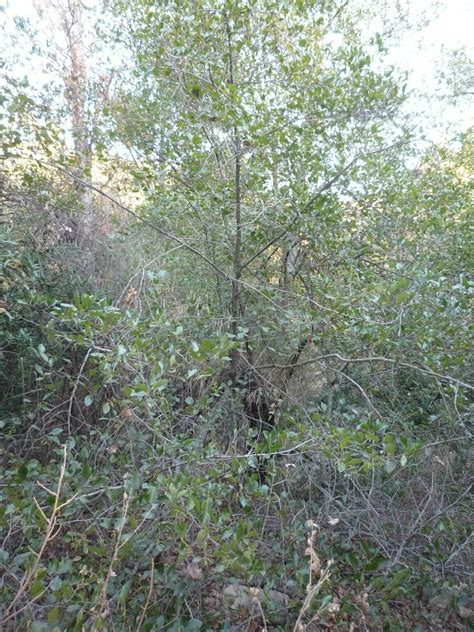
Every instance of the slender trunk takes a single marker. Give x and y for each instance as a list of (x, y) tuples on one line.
[(237, 270), (236, 307), (75, 80)]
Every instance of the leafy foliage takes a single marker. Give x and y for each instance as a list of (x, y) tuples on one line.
[(235, 375)]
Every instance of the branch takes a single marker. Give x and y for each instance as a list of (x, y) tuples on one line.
[(50, 533), (337, 356), (148, 597), (147, 222), (314, 197), (73, 394)]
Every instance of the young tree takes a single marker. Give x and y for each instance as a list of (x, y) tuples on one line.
[(252, 122)]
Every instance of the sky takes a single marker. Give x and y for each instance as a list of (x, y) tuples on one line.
[(453, 28), (436, 29), (426, 52), (422, 51)]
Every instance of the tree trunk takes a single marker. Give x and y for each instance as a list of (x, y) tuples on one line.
[(236, 304), (75, 80)]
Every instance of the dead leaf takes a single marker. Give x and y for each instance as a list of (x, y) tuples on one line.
[(131, 297), (194, 571)]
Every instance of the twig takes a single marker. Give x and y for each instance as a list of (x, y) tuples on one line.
[(50, 533), (103, 602), (459, 549), (73, 394), (128, 210), (337, 356), (314, 569), (262, 614), (148, 597), (327, 185)]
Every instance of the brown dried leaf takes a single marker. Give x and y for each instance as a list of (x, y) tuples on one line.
[(194, 571)]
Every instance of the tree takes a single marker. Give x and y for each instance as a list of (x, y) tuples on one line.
[(250, 123), (70, 60)]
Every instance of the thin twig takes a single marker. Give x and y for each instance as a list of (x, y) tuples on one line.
[(148, 597), (73, 394), (49, 535), (103, 602), (337, 356)]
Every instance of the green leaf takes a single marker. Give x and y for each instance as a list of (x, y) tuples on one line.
[(88, 400), (193, 624), (53, 615), (36, 588), (208, 345), (124, 592), (403, 297), (374, 563), (401, 284)]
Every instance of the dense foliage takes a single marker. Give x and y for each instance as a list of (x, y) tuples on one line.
[(235, 334)]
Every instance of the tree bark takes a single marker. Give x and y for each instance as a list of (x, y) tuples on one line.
[(75, 80), (236, 305)]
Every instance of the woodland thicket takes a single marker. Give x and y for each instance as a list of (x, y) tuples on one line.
[(235, 329)]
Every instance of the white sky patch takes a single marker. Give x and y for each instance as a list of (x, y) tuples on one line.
[(423, 51), (426, 53)]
